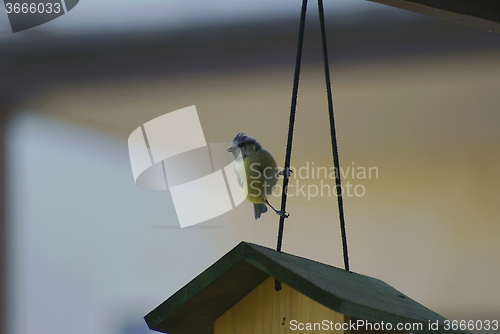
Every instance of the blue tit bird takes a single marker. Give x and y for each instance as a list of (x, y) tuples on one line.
[(256, 171)]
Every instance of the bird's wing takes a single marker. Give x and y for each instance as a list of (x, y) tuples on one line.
[(238, 177), (239, 170)]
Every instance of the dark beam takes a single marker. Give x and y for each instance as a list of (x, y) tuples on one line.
[(483, 14), (5, 108), (28, 68)]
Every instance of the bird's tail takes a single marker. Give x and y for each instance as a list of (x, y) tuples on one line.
[(259, 209)]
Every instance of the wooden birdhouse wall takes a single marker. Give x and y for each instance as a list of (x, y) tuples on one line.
[(266, 311)]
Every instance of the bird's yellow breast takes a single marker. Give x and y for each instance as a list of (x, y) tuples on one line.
[(261, 175)]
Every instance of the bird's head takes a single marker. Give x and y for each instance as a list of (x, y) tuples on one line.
[(244, 144)]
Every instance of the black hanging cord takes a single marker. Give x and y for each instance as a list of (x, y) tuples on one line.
[(291, 124), (333, 135)]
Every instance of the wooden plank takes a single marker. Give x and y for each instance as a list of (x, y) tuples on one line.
[(483, 14), (371, 330), (266, 311)]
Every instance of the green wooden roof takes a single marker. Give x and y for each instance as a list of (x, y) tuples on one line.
[(195, 307)]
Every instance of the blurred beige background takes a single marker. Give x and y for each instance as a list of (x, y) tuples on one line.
[(427, 120), (428, 225)]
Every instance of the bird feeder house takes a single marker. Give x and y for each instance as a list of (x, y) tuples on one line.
[(237, 295)]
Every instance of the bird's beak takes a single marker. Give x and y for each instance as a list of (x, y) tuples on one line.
[(231, 149)]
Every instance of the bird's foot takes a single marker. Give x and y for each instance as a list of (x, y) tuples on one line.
[(287, 171), (283, 214), (278, 212)]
